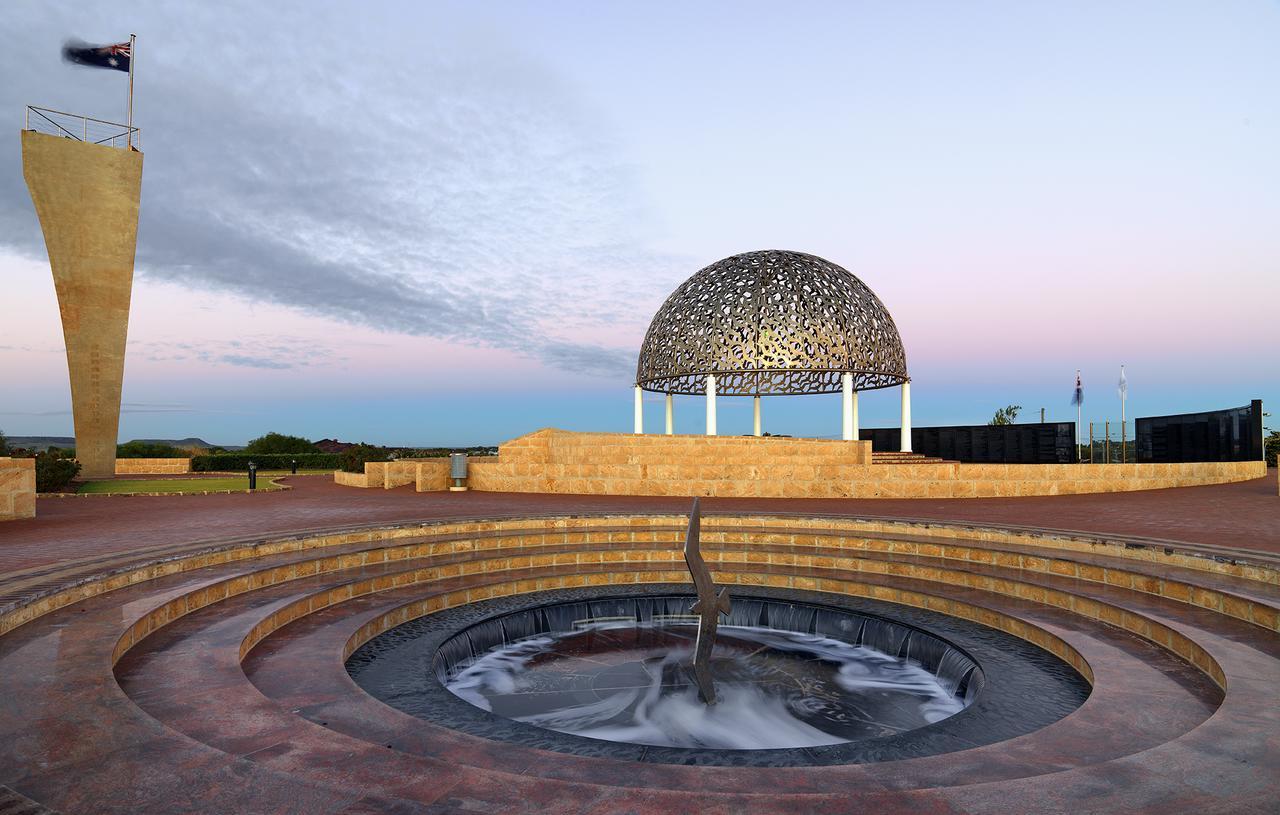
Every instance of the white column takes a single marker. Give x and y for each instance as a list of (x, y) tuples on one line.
[(711, 404), (906, 417), (855, 415), (639, 411), (671, 417), (846, 407), (756, 410)]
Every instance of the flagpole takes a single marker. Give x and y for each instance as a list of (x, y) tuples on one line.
[(1124, 394), (133, 52), (1080, 417)]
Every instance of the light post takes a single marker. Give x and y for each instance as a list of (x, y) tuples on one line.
[(253, 476)]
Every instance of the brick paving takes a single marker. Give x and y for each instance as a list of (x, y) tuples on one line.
[(1244, 515), (189, 726)]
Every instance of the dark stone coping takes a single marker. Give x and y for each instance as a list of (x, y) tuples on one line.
[(1026, 688)]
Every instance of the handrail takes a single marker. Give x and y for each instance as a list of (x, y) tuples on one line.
[(105, 134)]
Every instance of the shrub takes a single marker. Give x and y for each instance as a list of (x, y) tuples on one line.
[(54, 473), (1272, 448), (353, 458), (280, 443), (4, 444), (143, 449), (239, 462)]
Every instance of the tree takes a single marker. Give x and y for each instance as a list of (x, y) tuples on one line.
[(4, 444), (280, 443), (352, 459), (1005, 415), (1272, 447), (54, 473), (146, 449)]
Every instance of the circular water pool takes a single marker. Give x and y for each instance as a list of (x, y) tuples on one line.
[(630, 681), (802, 678)]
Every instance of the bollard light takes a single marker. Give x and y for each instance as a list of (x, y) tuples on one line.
[(253, 476), (294, 469)]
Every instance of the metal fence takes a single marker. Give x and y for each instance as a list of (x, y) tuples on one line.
[(1233, 434), (80, 128), (1034, 443)]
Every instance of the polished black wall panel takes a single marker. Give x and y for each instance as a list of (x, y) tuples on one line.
[(1233, 434), (1038, 443)]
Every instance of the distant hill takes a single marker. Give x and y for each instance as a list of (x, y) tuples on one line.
[(39, 443), (191, 442)]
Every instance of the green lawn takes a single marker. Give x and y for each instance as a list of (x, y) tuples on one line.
[(261, 473), (175, 485)]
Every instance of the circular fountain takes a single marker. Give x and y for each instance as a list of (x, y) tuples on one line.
[(784, 675), (787, 674)]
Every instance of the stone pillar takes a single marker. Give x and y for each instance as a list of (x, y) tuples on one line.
[(671, 417), (906, 417), (756, 411), (639, 411), (86, 196), (711, 404)]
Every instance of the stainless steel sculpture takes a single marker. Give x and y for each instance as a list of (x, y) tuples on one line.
[(710, 605), (771, 322)]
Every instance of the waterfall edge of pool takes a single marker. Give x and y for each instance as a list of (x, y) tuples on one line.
[(803, 678)]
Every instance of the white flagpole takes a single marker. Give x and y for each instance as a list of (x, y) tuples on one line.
[(133, 55)]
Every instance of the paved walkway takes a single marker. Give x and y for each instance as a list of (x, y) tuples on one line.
[(1244, 515)]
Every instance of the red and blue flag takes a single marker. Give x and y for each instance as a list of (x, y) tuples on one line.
[(113, 57)]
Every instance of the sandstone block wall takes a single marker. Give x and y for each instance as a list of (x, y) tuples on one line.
[(558, 461), (748, 467), (432, 475), (17, 488), (426, 475), (86, 196), (347, 479), (152, 466)]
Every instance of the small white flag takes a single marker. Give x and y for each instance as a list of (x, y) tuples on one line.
[(1124, 384)]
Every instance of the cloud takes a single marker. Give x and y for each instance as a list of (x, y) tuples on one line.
[(450, 188), (254, 362), (273, 352)]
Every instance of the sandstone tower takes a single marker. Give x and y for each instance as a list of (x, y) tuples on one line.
[(86, 196)]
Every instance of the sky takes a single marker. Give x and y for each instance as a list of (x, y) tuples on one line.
[(451, 223)]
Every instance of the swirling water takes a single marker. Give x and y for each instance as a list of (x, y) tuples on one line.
[(632, 683)]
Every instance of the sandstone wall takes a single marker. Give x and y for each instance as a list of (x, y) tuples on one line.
[(426, 475), (624, 464), (17, 488), (347, 479), (152, 466), (558, 461)]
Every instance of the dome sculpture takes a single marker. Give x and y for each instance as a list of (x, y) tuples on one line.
[(769, 323)]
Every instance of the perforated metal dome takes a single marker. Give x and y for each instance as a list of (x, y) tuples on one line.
[(771, 322)]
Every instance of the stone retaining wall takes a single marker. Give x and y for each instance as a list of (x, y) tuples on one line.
[(347, 479), (152, 466), (426, 474), (558, 461), (17, 488)]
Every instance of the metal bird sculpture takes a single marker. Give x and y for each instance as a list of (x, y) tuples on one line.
[(709, 606)]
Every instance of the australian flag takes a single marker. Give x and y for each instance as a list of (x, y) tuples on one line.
[(114, 57)]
